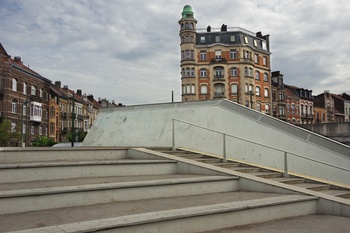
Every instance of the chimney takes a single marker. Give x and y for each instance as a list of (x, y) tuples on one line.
[(91, 98), (79, 92), (65, 88), (58, 85), (18, 60)]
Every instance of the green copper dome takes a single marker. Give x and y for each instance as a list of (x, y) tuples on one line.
[(187, 12)]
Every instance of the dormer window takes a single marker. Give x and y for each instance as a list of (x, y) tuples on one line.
[(217, 39), (202, 39)]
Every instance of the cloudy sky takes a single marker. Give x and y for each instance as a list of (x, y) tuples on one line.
[(128, 50)]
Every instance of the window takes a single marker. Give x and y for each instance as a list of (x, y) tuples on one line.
[(273, 94), (219, 89), (246, 89), (258, 107), (188, 89), (250, 72), (250, 87), (257, 75), (257, 91), (52, 112), (204, 89), (264, 45), (187, 25), (281, 95), (183, 74), (14, 106), (188, 72), (32, 129), (217, 39), (245, 71), (246, 54), (266, 77), (192, 72), (293, 108), (203, 72), (234, 89), (245, 39), (14, 84), (233, 71), (255, 43), (219, 72), (202, 39), (217, 53), (24, 128), (281, 111), (41, 92), (33, 92), (24, 110), (256, 58), (40, 130), (25, 88), (192, 89), (266, 92), (13, 127), (233, 54), (188, 55), (52, 128), (232, 38), (203, 55), (264, 61), (267, 108)]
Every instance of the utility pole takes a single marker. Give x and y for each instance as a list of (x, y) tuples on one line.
[(172, 96)]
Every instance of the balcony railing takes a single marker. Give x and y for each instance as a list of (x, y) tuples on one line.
[(219, 77), (218, 60), (35, 118)]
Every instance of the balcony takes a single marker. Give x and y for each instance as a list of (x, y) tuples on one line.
[(248, 60), (63, 114), (35, 118), (218, 60), (219, 94), (80, 117), (219, 78)]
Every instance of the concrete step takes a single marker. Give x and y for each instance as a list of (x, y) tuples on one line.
[(208, 160), (245, 169), (176, 214), (289, 180), (22, 200), (314, 186), (338, 193), (267, 175), (226, 165), (51, 170)]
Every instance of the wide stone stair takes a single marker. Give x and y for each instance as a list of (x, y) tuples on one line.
[(307, 183), (129, 190)]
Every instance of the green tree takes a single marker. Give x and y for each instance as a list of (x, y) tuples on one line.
[(79, 136), (6, 133), (43, 141)]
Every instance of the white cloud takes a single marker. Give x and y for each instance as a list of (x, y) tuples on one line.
[(128, 51)]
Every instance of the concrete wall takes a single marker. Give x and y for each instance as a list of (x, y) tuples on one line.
[(151, 125), (339, 131)]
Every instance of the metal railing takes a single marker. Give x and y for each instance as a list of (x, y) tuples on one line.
[(224, 150)]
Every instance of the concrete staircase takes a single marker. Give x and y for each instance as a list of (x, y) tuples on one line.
[(255, 170), (129, 190)]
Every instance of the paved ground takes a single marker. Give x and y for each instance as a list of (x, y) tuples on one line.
[(304, 224)]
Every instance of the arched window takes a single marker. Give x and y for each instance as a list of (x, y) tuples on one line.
[(188, 72), (41, 92), (182, 26), (257, 75), (233, 71), (266, 92), (187, 26), (25, 88), (250, 87), (258, 107), (246, 89), (293, 108), (246, 71), (191, 26), (267, 108), (14, 84), (14, 106), (257, 91), (192, 72), (33, 92), (193, 89), (234, 89), (183, 74), (266, 77), (52, 112), (204, 89), (302, 109)]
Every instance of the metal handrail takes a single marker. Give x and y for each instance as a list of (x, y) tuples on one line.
[(285, 152)]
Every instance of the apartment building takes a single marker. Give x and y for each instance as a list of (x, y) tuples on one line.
[(333, 104), (231, 63), (278, 96), (24, 99)]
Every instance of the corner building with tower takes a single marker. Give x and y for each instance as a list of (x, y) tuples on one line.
[(231, 63)]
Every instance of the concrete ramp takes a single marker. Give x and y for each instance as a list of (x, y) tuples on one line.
[(222, 127)]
